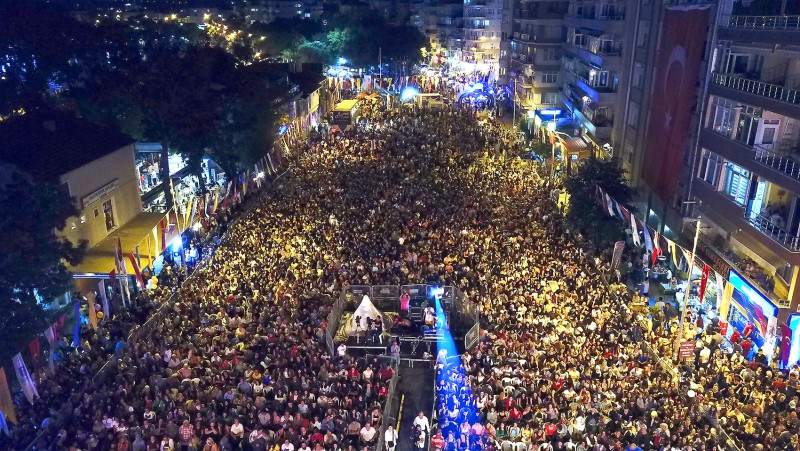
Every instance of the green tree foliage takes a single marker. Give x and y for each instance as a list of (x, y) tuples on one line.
[(585, 212), (32, 255)]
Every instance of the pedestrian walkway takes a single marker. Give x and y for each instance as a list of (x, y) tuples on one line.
[(416, 385)]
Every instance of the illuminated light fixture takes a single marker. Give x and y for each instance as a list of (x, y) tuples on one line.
[(176, 244), (531, 114), (196, 226), (341, 61), (550, 112), (408, 94), (283, 129), (551, 126)]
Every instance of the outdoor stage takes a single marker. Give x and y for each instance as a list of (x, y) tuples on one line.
[(368, 319)]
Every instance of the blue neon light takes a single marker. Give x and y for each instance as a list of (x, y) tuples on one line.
[(408, 94), (752, 294), (551, 112), (794, 349)]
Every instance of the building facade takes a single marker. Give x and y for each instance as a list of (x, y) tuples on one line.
[(487, 24), (746, 176), (535, 53)]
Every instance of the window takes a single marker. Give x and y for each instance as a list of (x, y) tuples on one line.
[(550, 98), (721, 116), (710, 166), (638, 75), (633, 115), (644, 33), (108, 212), (629, 153), (552, 32), (549, 55), (737, 179), (550, 77)]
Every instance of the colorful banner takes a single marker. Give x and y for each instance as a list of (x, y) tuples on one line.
[(76, 339), (136, 270), (51, 335), (35, 350), (656, 248), (704, 281), (619, 246), (634, 231), (104, 298), (24, 378), (92, 311), (677, 69), (6, 401)]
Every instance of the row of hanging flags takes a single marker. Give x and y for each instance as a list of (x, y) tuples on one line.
[(653, 240), (652, 243), (200, 206)]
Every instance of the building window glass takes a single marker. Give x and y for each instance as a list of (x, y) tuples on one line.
[(550, 77), (710, 167), (550, 98), (644, 33), (737, 180), (633, 115), (722, 114), (638, 75)]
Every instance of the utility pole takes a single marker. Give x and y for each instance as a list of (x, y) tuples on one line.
[(679, 335)]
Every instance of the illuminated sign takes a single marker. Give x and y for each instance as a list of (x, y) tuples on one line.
[(752, 294), (100, 193)]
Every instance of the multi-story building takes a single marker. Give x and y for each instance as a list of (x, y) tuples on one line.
[(593, 71), (535, 53), (441, 22), (746, 177), (486, 27)]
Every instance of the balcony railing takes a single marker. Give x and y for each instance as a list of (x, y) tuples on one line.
[(784, 164), (769, 90), (778, 234), (789, 23)]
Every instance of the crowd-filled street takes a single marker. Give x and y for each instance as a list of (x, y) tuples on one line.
[(424, 197)]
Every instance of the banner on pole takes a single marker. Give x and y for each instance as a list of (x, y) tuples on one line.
[(6, 401), (24, 378), (619, 246)]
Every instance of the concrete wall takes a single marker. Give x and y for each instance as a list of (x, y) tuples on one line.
[(91, 224)]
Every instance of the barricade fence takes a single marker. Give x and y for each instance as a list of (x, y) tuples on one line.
[(386, 418)]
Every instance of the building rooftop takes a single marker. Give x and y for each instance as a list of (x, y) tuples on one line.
[(48, 144), (308, 80)]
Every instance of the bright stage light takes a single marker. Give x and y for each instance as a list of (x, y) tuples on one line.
[(341, 61), (408, 94)]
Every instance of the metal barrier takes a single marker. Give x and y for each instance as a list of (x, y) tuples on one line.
[(333, 321), (760, 88), (386, 418)]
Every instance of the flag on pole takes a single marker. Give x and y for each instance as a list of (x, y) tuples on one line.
[(609, 202), (704, 281), (25, 380), (104, 297), (673, 251), (51, 335), (656, 248), (136, 270), (6, 401), (648, 241)]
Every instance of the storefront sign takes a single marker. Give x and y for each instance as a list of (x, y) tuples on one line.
[(752, 310), (100, 193)]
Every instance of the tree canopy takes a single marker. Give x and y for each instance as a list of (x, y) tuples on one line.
[(584, 210), (32, 255)]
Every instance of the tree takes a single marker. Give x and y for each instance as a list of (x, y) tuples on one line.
[(33, 254), (585, 212)]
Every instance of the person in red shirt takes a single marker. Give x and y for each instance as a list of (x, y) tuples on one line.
[(186, 432), (438, 441)]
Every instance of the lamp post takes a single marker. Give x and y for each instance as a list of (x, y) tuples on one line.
[(679, 335)]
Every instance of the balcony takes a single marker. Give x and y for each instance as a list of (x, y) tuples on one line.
[(774, 231), (777, 98)]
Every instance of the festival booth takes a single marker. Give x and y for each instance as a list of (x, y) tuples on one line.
[(751, 315)]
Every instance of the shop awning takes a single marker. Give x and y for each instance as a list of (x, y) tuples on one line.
[(100, 258)]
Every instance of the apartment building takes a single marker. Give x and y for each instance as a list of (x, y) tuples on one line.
[(747, 169), (487, 24), (535, 52)]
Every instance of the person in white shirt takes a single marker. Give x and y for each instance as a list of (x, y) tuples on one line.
[(287, 446), (342, 350), (368, 434), (422, 421), (390, 438)]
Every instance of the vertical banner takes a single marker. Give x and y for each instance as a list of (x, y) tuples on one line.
[(50, 334), (704, 282), (720, 288), (619, 246), (24, 378), (136, 270), (656, 248), (677, 66), (35, 350), (634, 231), (76, 338), (648, 241), (725, 307), (104, 298), (92, 312), (786, 345), (6, 402)]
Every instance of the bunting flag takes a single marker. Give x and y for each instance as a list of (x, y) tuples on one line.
[(634, 231), (35, 350), (76, 339), (216, 201), (136, 270), (704, 281), (6, 401), (608, 203), (92, 312), (51, 335), (689, 261), (656, 248), (648, 240), (104, 298), (24, 378)]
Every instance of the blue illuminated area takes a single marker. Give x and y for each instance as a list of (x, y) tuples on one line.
[(408, 94), (458, 414)]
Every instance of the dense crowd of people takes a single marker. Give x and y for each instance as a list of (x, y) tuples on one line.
[(239, 360)]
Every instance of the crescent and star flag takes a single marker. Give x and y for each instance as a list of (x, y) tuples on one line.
[(680, 54), (656, 248)]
